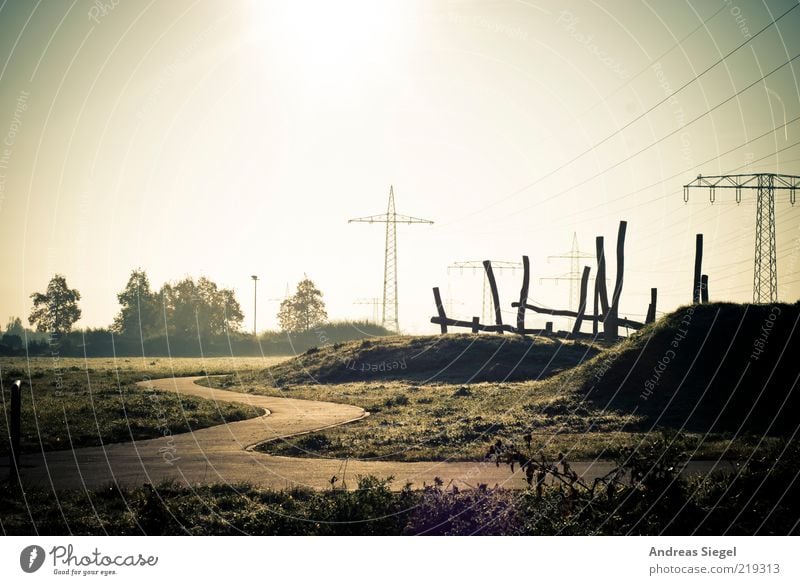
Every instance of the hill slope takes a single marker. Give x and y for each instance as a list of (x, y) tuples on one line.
[(451, 358), (716, 367)]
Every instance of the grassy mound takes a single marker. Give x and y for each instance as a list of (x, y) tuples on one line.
[(710, 368), (456, 358)]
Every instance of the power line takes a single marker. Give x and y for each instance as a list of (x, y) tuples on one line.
[(636, 119)]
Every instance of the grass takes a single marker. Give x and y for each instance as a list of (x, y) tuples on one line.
[(454, 358), (437, 422), (759, 498), (72, 402), (727, 403)]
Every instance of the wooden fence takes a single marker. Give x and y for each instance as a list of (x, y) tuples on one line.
[(603, 313)]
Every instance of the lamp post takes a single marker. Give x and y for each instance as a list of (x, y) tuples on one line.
[(255, 301)]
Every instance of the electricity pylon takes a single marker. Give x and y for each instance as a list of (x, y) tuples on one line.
[(375, 302), (475, 265), (765, 271), (574, 275), (390, 318)]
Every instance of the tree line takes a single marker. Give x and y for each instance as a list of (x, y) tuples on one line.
[(187, 317)]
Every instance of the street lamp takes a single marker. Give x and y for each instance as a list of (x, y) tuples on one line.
[(255, 302)]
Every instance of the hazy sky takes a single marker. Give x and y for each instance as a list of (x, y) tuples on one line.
[(234, 138)]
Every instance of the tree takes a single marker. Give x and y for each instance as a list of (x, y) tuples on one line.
[(56, 310), (200, 307), (15, 327), (139, 307), (304, 310)]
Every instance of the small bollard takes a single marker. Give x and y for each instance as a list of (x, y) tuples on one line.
[(15, 427)]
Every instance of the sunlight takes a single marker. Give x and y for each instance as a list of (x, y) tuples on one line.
[(324, 42)]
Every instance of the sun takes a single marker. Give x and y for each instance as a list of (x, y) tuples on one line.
[(323, 41)]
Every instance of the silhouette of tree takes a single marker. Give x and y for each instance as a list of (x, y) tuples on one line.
[(200, 307), (15, 327), (304, 310), (57, 309), (139, 307)]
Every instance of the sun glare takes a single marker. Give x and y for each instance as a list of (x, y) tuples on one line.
[(323, 41)]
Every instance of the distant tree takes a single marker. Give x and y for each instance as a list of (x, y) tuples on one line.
[(56, 310), (200, 308), (15, 327), (139, 307), (304, 310)]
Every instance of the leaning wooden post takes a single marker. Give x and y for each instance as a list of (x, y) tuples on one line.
[(600, 281), (697, 283), (523, 295), (15, 427), (651, 308), (582, 303), (498, 315), (440, 309), (704, 288), (610, 324)]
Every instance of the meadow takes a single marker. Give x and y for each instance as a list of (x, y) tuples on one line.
[(76, 402)]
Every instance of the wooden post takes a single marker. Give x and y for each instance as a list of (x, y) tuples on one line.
[(600, 281), (697, 283), (15, 428), (498, 315), (582, 302), (594, 309), (548, 327), (437, 298), (704, 288), (523, 295), (610, 325), (475, 322), (651, 308)]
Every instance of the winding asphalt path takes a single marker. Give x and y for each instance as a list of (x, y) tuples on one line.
[(224, 453)]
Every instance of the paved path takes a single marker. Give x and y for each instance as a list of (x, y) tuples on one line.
[(224, 453)]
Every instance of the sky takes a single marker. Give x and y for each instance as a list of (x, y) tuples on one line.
[(226, 139)]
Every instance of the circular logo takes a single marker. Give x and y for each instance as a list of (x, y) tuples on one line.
[(31, 558)]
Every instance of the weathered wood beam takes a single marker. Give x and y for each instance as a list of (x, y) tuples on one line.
[(600, 281), (704, 288), (697, 282), (523, 294), (437, 298), (610, 324), (651, 308), (582, 302), (498, 315)]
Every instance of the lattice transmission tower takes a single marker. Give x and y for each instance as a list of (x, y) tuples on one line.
[(391, 218), (477, 265), (765, 271), (574, 275)]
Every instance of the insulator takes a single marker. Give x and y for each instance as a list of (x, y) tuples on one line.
[(686, 194), (792, 196), (738, 195), (712, 195)]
